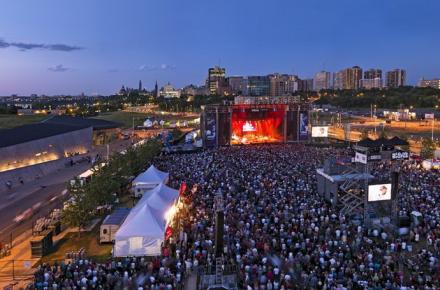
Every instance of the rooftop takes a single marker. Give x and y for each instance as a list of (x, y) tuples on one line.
[(97, 124), (31, 132)]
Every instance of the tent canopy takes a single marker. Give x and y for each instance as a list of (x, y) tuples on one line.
[(151, 175), (143, 230), (161, 195)]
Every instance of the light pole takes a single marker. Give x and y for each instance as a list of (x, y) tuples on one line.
[(432, 124)]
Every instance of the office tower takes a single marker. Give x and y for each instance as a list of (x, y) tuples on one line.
[(237, 85), (293, 83), (216, 81), (283, 84), (140, 85), (321, 81), (279, 85), (434, 83), (305, 85), (258, 85), (396, 78)]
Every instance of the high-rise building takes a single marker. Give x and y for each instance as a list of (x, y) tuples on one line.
[(372, 79), (305, 85), (237, 85), (216, 81), (349, 78), (373, 73), (338, 80), (293, 84), (140, 85), (369, 84), (434, 83), (396, 78), (279, 85), (258, 85), (354, 75), (322, 81)]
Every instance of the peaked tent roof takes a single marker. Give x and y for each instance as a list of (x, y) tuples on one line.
[(142, 221), (151, 175), (399, 141), (367, 142), (161, 193)]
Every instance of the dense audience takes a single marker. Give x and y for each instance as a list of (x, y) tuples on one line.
[(279, 232)]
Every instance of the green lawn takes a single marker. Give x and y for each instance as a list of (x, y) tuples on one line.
[(74, 242), (126, 118), (9, 121)]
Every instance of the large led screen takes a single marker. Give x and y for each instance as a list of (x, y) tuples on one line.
[(320, 131), (378, 192), (257, 125)]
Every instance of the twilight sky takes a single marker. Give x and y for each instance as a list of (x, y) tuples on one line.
[(95, 46)]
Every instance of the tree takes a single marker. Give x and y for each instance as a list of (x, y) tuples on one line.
[(79, 209), (383, 133), (428, 149), (364, 134)]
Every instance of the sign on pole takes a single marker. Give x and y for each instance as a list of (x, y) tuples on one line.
[(400, 155), (361, 158), (429, 116)]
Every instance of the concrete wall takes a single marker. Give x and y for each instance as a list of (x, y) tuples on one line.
[(46, 150)]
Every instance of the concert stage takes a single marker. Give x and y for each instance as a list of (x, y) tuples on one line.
[(255, 120)]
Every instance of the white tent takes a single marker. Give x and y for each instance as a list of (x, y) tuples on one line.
[(161, 196), (142, 232), (148, 180)]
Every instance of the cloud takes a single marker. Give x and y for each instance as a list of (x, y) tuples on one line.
[(146, 67), (23, 46), (58, 68), (62, 47)]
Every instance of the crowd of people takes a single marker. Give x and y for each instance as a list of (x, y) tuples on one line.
[(279, 232)]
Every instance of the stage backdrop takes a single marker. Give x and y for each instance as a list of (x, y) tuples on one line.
[(257, 125)]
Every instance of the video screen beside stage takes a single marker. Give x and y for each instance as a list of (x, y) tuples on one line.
[(320, 132), (379, 192), (257, 125)]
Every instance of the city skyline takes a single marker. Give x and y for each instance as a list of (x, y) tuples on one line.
[(92, 48)]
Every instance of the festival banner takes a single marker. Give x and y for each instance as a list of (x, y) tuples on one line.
[(182, 189), (303, 126), (210, 130), (168, 233)]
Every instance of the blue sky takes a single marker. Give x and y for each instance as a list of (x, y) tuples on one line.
[(95, 46)]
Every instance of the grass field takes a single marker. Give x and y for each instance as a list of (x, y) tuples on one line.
[(74, 242), (10, 121), (127, 118)]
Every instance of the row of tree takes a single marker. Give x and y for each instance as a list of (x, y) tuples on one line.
[(107, 184), (389, 98)]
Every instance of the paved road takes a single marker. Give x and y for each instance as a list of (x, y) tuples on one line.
[(39, 197), (47, 198)]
